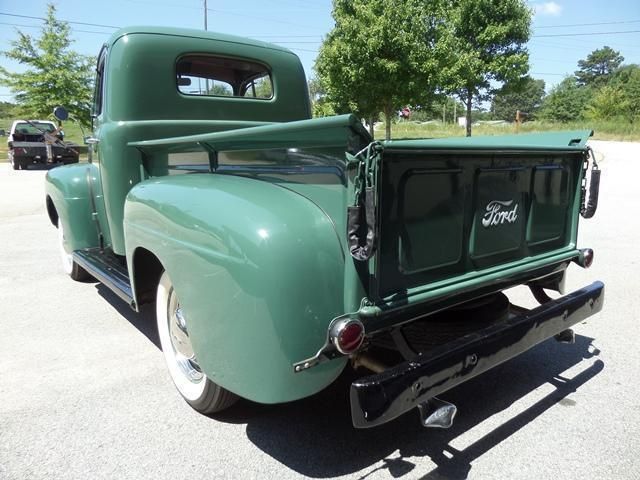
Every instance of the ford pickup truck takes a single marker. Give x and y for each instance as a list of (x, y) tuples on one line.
[(280, 249)]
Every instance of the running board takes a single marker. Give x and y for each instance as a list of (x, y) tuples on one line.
[(105, 267)]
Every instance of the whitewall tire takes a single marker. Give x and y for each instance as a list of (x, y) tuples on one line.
[(69, 267), (201, 393)]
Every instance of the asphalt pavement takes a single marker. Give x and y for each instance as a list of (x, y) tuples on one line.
[(84, 393)]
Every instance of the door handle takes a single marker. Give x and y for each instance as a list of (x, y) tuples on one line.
[(91, 141)]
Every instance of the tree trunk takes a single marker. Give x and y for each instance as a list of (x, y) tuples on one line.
[(371, 132), (388, 115), (469, 98)]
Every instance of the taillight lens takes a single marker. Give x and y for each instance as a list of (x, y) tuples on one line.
[(586, 258), (347, 335)]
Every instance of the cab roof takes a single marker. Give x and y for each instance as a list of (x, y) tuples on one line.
[(193, 33)]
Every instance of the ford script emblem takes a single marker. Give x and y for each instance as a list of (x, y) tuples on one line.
[(499, 212)]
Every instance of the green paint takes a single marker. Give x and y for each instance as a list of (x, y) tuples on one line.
[(244, 203)]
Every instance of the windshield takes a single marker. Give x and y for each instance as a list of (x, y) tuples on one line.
[(28, 129)]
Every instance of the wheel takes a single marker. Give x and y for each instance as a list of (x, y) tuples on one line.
[(70, 267), (201, 393)]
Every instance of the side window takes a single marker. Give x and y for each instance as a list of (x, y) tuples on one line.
[(222, 77), (96, 108)]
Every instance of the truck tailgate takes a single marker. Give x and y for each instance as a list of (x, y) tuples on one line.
[(446, 212)]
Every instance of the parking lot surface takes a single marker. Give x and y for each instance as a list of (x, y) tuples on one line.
[(84, 393)]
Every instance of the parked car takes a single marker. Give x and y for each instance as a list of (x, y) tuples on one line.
[(280, 249), (38, 142)]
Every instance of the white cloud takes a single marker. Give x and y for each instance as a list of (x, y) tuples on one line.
[(548, 8)]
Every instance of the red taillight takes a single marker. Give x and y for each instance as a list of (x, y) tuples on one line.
[(347, 335), (586, 258)]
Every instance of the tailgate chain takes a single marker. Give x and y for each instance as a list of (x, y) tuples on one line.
[(361, 216), (588, 207)]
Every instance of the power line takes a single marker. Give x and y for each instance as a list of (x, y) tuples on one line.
[(547, 73), (303, 50), (287, 36), (67, 21), (225, 12), (37, 26), (295, 43), (588, 24), (585, 34)]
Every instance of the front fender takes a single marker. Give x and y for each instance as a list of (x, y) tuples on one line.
[(258, 270), (68, 189)]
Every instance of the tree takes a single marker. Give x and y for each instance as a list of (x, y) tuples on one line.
[(627, 78), (597, 68), (566, 102), (607, 103), (6, 109), (489, 39), (525, 95), (441, 108), (381, 55), (55, 75), (320, 106)]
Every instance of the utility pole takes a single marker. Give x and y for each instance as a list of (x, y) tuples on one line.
[(205, 15)]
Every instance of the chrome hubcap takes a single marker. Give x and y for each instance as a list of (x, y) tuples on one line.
[(179, 336), (181, 343)]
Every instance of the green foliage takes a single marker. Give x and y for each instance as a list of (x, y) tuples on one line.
[(382, 55), (263, 88), (598, 67), (525, 95), (604, 129), (627, 78), (219, 89), (54, 75), (7, 109), (608, 102), (441, 107), (489, 38), (320, 106), (566, 102)]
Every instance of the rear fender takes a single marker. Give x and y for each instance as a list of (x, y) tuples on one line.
[(258, 270), (68, 197)]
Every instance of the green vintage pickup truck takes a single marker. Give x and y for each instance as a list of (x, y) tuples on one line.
[(280, 249)]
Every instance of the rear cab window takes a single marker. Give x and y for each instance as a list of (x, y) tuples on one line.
[(34, 128), (214, 76)]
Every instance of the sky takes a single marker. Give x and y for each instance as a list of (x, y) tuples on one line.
[(564, 31)]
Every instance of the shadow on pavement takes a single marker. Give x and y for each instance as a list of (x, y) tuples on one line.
[(144, 321), (315, 437)]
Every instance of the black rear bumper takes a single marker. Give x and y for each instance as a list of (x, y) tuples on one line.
[(379, 398)]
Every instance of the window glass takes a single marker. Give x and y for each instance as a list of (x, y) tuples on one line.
[(34, 128), (222, 77), (97, 92)]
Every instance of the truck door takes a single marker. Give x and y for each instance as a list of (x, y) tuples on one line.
[(94, 176)]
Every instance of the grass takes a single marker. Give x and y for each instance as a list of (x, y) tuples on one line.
[(602, 130), (72, 133)]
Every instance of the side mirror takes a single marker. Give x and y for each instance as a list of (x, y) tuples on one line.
[(61, 113)]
